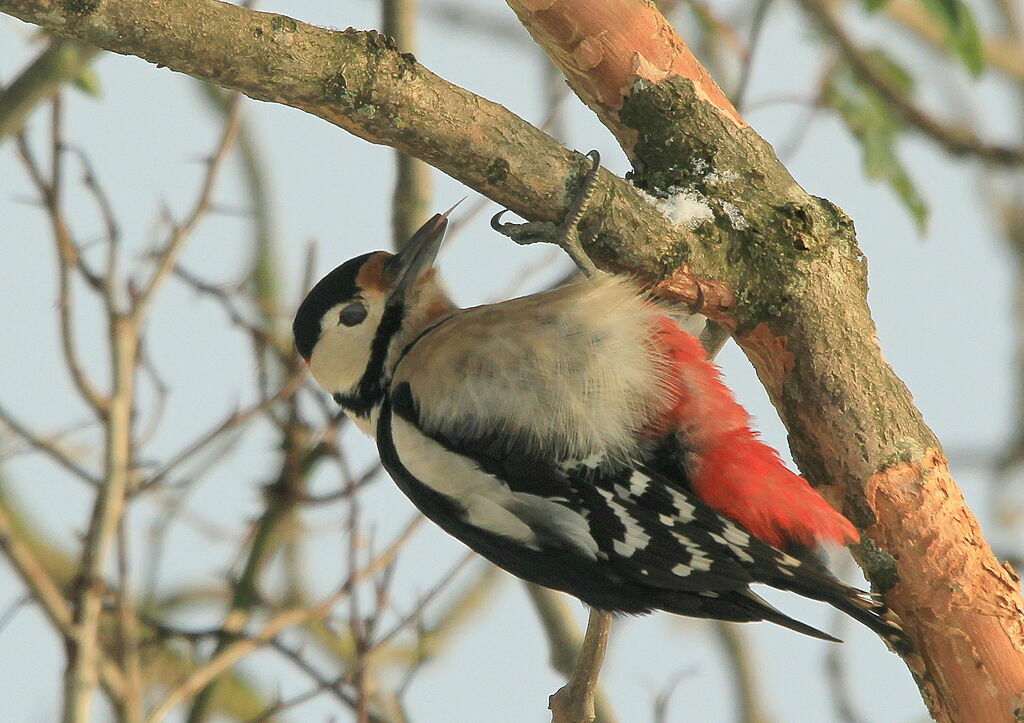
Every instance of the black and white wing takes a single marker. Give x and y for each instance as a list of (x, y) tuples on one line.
[(622, 538)]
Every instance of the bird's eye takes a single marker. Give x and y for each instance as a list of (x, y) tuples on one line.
[(352, 314)]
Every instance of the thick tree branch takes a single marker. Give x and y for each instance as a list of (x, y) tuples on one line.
[(362, 83), (778, 266), (800, 281)]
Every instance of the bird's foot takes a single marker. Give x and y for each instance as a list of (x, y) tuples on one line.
[(566, 234)]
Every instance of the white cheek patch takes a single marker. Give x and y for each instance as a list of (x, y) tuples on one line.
[(342, 353), (488, 502)]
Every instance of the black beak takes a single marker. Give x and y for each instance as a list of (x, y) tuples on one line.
[(417, 255)]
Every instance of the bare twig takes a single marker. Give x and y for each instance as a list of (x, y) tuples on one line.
[(956, 140), (746, 70), (124, 331), (231, 423), (180, 232), (49, 447), (68, 258), (574, 702), (750, 698), (410, 204), (323, 685), (12, 610), (48, 594), (239, 649), (564, 640), (130, 707)]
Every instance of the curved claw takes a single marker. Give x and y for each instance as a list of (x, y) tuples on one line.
[(496, 223), (697, 305)]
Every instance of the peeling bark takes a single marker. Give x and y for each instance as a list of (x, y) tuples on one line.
[(779, 267), (962, 600), (799, 281)]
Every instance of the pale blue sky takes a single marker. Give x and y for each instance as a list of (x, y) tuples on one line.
[(942, 303)]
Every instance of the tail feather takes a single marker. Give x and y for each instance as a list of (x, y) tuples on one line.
[(737, 606), (773, 614), (864, 607), (869, 610)]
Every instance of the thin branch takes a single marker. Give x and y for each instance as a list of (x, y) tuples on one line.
[(231, 423), (12, 610), (49, 447), (956, 140), (323, 685), (243, 646), (564, 640), (130, 707), (574, 702), (746, 70), (1000, 51), (167, 257), (48, 594), (68, 258), (750, 699), (410, 202), (231, 654)]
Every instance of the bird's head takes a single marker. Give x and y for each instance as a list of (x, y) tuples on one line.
[(354, 318)]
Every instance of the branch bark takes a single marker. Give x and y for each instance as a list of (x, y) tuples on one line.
[(777, 266), (792, 263), (565, 641), (574, 702), (360, 82)]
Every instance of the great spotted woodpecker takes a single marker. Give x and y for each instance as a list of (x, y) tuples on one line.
[(577, 438)]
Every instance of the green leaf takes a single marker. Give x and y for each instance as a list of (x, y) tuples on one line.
[(876, 127), (961, 31), (873, 6), (88, 82)]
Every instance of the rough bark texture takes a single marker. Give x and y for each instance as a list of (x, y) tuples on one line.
[(778, 266), (359, 81), (799, 280)]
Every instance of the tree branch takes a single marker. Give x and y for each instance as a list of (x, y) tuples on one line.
[(792, 263), (565, 641), (777, 266), (574, 702), (361, 82), (410, 203), (958, 141)]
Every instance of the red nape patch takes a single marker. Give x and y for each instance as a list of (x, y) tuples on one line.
[(728, 467)]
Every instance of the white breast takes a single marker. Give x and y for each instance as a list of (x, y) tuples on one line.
[(570, 372)]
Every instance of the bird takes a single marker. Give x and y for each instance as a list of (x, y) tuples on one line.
[(578, 438)]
